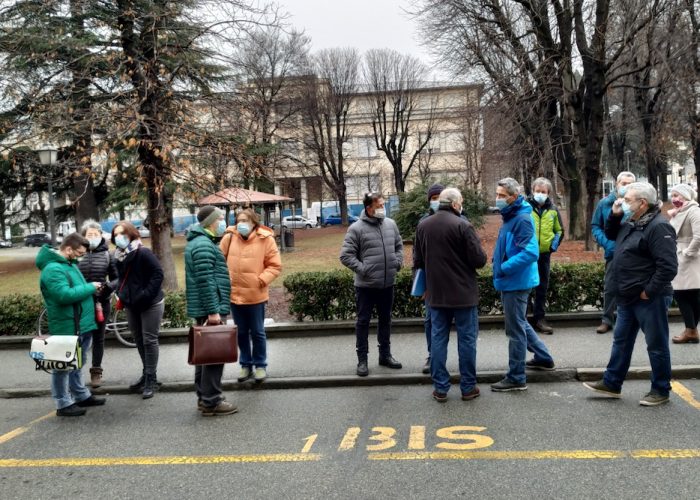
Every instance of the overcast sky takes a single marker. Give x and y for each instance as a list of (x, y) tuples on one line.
[(363, 24)]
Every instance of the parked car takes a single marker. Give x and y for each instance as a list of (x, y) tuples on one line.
[(298, 222), (5, 244), (144, 232), (334, 220), (38, 239)]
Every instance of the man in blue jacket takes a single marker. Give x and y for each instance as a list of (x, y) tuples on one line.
[(601, 214), (514, 275)]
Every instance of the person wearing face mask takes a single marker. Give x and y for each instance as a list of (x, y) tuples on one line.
[(642, 269), (602, 211), (685, 219), (549, 231), (433, 206), (207, 291), (448, 249), (253, 262), (373, 250), (140, 289), (514, 275), (69, 304), (100, 266)]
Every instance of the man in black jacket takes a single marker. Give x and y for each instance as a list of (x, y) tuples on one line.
[(448, 249), (643, 265)]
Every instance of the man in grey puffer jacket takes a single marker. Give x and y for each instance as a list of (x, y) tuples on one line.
[(373, 250)]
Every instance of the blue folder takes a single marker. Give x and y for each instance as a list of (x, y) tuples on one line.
[(418, 288)]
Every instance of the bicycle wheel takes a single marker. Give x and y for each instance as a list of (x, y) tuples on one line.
[(42, 323), (120, 328)]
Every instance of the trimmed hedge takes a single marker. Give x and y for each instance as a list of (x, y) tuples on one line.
[(323, 296), (19, 313)]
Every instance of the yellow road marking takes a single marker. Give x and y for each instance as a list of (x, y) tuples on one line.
[(21, 430), (535, 455), (685, 394), (175, 460)]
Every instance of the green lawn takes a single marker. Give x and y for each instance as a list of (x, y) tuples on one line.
[(316, 251)]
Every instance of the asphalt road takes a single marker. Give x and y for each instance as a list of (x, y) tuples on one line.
[(553, 441)]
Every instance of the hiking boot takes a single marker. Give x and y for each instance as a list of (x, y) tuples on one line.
[(390, 362), (362, 370), (543, 327), (137, 387), (95, 377), (71, 411), (223, 408), (689, 336), (653, 398), (440, 397), (244, 374), (603, 389), (91, 401), (603, 328), (149, 387), (473, 394), (426, 366), (260, 374), (546, 366), (507, 385)]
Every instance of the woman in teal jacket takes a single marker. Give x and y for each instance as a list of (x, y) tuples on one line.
[(67, 297), (208, 292)]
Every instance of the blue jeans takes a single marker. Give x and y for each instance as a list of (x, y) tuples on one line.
[(467, 323), (250, 320), (427, 324), (652, 317), (67, 387), (521, 336)]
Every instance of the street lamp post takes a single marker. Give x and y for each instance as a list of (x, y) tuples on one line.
[(47, 157)]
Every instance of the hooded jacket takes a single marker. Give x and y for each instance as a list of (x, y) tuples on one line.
[(252, 263), (100, 266), (449, 250), (63, 285), (208, 287), (516, 253), (373, 250), (644, 258), (548, 226), (600, 216)]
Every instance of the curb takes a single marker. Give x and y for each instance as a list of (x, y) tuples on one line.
[(487, 377)]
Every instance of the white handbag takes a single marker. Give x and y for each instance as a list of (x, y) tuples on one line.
[(56, 352)]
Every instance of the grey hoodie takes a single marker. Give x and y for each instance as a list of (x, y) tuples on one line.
[(373, 250)]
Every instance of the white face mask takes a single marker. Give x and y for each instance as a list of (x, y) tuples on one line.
[(379, 213)]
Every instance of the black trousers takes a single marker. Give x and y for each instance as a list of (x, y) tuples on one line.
[(366, 300), (689, 304), (543, 264), (207, 378)]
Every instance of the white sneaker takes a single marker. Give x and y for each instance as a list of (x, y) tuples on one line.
[(260, 374), (244, 374)]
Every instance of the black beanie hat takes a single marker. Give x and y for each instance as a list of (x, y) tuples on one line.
[(435, 189), (205, 212)]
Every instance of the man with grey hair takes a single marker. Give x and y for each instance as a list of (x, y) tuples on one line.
[(642, 268), (514, 275), (602, 211), (449, 251)]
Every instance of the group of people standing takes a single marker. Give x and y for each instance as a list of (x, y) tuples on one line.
[(228, 270)]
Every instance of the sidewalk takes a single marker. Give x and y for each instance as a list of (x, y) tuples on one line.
[(326, 361)]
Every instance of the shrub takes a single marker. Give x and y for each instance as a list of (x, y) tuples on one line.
[(175, 314), (323, 296)]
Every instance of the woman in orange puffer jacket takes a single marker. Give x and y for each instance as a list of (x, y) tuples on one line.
[(253, 262)]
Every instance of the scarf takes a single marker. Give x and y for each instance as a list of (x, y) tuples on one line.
[(120, 254)]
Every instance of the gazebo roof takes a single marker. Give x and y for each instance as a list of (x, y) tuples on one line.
[(240, 196)]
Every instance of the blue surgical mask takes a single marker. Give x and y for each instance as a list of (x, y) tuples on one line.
[(626, 210), (540, 198), (621, 191), (94, 243), (434, 205), (221, 228), (243, 228), (501, 203), (121, 241)]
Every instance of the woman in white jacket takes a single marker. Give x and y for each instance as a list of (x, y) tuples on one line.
[(685, 219)]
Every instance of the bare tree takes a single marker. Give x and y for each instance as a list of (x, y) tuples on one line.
[(327, 99), (402, 122)]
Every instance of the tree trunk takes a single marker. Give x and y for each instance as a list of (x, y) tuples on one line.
[(85, 203)]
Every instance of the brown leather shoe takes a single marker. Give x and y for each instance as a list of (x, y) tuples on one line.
[(95, 377), (689, 336), (543, 327), (603, 328)]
